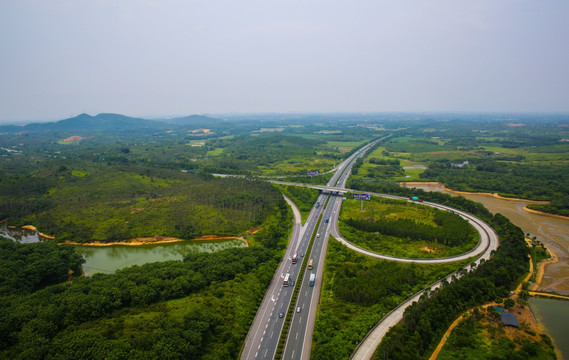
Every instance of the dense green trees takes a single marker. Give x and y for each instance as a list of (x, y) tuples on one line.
[(32, 320), (134, 201), (452, 230), (25, 268)]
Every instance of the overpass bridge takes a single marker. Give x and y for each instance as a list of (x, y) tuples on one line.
[(332, 190)]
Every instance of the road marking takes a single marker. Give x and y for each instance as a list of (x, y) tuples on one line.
[(264, 333), (256, 354), (272, 333), (266, 352), (259, 347), (296, 335), (262, 338)]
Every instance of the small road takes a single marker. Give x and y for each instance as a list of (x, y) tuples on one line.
[(483, 242)]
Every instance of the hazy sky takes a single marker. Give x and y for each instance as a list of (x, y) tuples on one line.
[(164, 57)]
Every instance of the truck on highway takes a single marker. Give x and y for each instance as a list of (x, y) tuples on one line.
[(311, 279), (286, 279), (295, 258)]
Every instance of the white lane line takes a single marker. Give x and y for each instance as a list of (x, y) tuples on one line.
[(266, 352), (296, 336), (264, 333), (256, 354)]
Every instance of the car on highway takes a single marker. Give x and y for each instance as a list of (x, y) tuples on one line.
[(298, 309), (318, 235), (281, 314)]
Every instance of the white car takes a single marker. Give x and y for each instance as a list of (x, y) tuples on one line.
[(298, 309), (317, 235)]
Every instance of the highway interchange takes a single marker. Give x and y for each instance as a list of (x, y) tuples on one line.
[(264, 334)]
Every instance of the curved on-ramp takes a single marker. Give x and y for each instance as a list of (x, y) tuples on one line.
[(483, 242)]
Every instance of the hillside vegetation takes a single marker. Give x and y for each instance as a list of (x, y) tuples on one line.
[(118, 203)]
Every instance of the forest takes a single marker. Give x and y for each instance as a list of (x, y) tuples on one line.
[(68, 319), (133, 201), (451, 229), (120, 182)]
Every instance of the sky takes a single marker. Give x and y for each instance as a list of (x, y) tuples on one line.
[(60, 58)]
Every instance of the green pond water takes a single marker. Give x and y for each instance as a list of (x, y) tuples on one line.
[(107, 259), (554, 315)]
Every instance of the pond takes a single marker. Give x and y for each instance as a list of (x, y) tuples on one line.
[(553, 314), (107, 259)]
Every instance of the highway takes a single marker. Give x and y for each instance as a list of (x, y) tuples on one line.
[(263, 336), (299, 339)]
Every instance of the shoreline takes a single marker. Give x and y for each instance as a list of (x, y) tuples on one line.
[(541, 269), (537, 212), (153, 240), (33, 228), (495, 195)]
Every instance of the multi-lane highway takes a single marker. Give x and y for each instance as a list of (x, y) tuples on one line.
[(299, 339), (264, 333), (263, 336)]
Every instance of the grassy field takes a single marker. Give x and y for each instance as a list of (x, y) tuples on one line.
[(298, 165), (346, 146), (215, 152)]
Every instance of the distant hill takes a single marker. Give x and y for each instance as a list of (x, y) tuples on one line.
[(104, 122), (113, 123)]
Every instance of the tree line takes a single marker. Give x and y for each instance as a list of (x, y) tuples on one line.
[(452, 230), (25, 268)]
